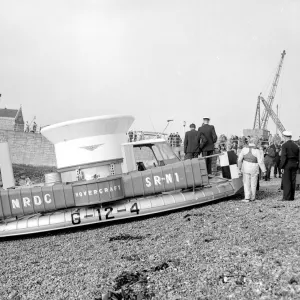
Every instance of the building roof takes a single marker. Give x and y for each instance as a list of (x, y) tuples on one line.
[(8, 113)]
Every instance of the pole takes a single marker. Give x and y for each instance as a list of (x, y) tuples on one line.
[(168, 121), (166, 127), (213, 155), (7, 173)]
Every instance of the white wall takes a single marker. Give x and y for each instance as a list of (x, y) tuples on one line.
[(7, 174)]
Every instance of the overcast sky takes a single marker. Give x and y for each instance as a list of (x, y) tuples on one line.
[(156, 60)]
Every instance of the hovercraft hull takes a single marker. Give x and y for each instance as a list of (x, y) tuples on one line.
[(217, 188)]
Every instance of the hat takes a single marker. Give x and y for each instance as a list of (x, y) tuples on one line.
[(287, 133), (192, 125), (206, 118), (252, 140)]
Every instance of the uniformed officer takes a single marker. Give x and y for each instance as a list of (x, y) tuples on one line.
[(208, 131), (191, 146), (289, 163)]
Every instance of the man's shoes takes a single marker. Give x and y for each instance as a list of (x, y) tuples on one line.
[(210, 176), (245, 200)]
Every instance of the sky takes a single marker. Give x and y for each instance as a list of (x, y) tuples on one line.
[(155, 60)]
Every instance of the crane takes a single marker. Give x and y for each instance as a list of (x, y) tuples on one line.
[(257, 121), (273, 115), (263, 122)]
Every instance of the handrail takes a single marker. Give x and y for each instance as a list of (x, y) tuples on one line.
[(213, 155)]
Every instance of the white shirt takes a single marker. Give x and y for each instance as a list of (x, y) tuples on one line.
[(249, 167)]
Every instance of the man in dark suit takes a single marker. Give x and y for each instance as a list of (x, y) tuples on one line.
[(289, 163), (269, 160), (277, 164), (208, 131), (191, 146)]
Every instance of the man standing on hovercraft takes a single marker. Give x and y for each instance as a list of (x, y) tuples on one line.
[(208, 131), (191, 147)]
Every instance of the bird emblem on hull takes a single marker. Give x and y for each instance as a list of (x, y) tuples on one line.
[(91, 147)]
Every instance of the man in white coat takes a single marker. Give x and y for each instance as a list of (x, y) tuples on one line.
[(249, 161)]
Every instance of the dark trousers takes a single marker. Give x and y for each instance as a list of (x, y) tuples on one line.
[(269, 164), (289, 180), (277, 169), (208, 160), (191, 155)]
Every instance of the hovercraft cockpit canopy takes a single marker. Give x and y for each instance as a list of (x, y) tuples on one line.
[(149, 154)]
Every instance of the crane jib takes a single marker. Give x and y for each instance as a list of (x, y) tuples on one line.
[(266, 113), (262, 122)]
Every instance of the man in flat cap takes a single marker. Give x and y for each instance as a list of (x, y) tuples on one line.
[(289, 163), (208, 131), (191, 146)]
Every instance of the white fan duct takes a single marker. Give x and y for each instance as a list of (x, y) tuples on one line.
[(88, 143)]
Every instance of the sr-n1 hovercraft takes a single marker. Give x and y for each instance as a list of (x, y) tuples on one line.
[(103, 178)]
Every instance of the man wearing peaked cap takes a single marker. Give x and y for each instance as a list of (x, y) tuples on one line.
[(208, 132), (287, 133), (289, 163)]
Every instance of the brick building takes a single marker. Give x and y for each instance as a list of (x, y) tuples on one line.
[(11, 119), (26, 148)]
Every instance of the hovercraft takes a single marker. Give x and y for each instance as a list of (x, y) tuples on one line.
[(103, 178)]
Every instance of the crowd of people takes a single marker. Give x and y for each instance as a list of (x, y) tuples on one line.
[(271, 151), (30, 127), (174, 140), (255, 156), (134, 136)]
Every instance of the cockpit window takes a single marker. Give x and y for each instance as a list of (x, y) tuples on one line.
[(166, 152), (152, 155), (157, 152), (144, 157)]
